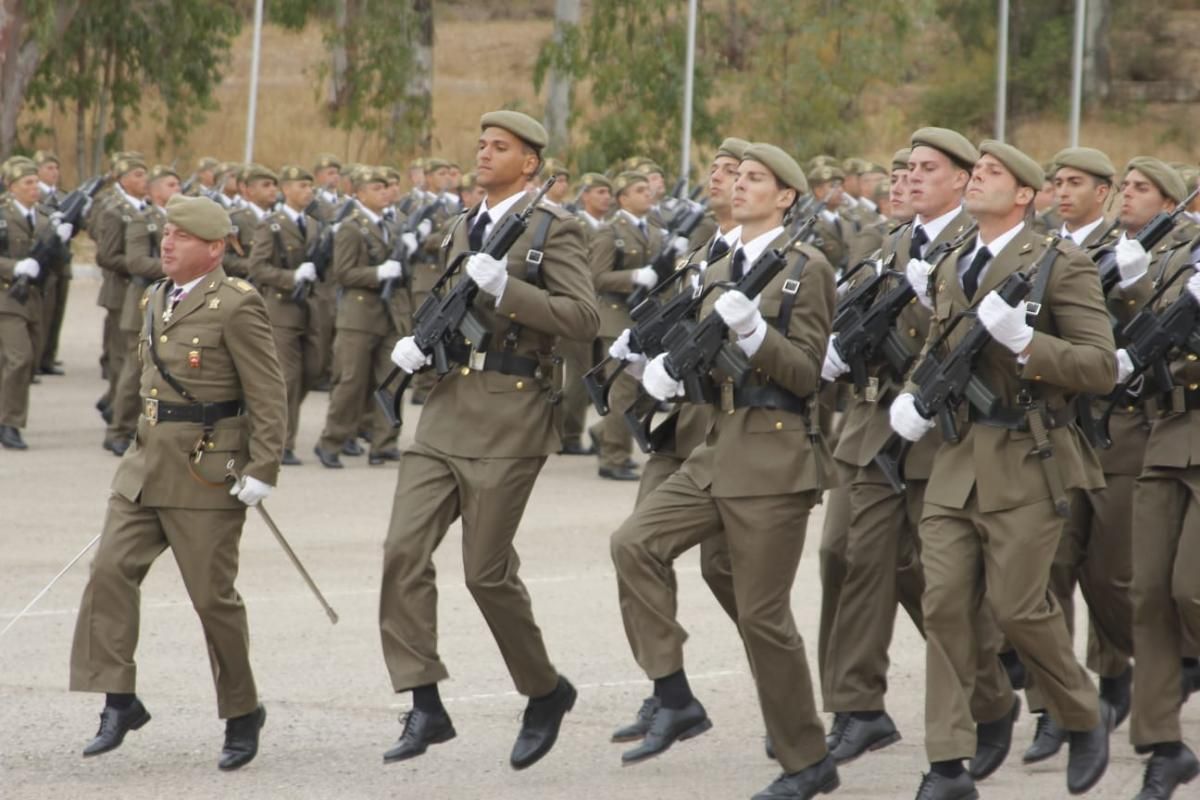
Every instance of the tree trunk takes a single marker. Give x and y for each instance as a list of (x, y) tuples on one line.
[(558, 96), (100, 120), (1096, 73), (81, 108), (21, 53), (420, 82), (338, 57)]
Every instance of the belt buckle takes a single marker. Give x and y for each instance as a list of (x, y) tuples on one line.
[(475, 360), (871, 390), (150, 409)]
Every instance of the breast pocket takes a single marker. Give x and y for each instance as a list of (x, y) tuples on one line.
[(195, 352)]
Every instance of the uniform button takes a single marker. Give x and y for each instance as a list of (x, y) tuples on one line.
[(1133, 302), (778, 426), (912, 332), (512, 315), (1191, 356), (359, 298), (163, 338), (154, 392), (1193, 386), (195, 340), (1129, 408), (465, 371), (913, 300), (1037, 377), (211, 445), (520, 384)]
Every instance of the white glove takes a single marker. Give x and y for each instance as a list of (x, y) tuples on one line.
[(64, 231), (389, 270), (1005, 323), (1124, 365), (833, 366), (658, 381), (917, 273), (740, 313), (424, 228), (1193, 285), (1132, 261), (681, 245), (28, 267), (304, 273), (906, 420), (250, 491), (490, 274), (620, 349), (407, 356), (646, 276), (410, 242)]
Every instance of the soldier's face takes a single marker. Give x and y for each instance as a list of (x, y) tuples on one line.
[(206, 177), (722, 175), (1141, 200), (1080, 196), (756, 194), (134, 182), (502, 160), (327, 178), (297, 194), (852, 185), (186, 257), (899, 196), (658, 186), (373, 195), (994, 191), (558, 192), (597, 201), (262, 192), (935, 184), (636, 199), (441, 179), (471, 197), (230, 185), (454, 176), (831, 192), (869, 183), (163, 190), (1044, 199), (25, 190), (416, 177), (48, 173)]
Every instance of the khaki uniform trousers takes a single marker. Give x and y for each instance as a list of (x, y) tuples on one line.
[(963, 551), (883, 568), (56, 313), (301, 366), (432, 491), (611, 430), (322, 311), (126, 400), (765, 537), (17, 363), (116, 348), (205, 545), (1166, 597), (832, 556), (362, 361), (45, 316), (577, 359)]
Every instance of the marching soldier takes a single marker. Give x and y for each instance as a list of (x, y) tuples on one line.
[(469, 191), (659, 213), (58, 282), (213, 407), (619, 259), (595, 200), (416, 196), (553, 168), (203, 180), (142, 259), (326, 176), (426, 201), (281, 267), (259, 189), (995, 500), (833, 232), (483, 437)]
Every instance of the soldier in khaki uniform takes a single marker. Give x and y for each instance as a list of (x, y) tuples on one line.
[(483, 437), (995, 500), (430, 233), (213, 404), (326, 174), (367, 324), (203, 180), (23, 223), (280, 267), (58, 281), (259, 188), (595, 201), (754, 481), (142, 251), (470, 193), (833, 231)]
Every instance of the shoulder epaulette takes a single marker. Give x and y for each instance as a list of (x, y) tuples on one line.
[(240, 284)]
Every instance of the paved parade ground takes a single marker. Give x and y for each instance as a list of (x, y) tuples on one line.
[(331, 712)]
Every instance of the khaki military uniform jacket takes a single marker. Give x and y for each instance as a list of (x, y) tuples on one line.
[(487, 414), (616, 251), (1071, 352), (108, 230), (143, 243), (277, 250), (358, 248), (755, 452), (20, 243), (240, 246), (832, 238), (218, 346)]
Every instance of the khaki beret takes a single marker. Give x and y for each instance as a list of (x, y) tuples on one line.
[(1161, 175), (467, 181), (207, 163), (432, 164), (291, 172), (227, 168), (648, 167), (327, 160), (123, 166), (417, 163), (19, 167), (784, 167), (1085, 159), (855, 166), (1027, 171), (162, 171), (44, 157), (453, 165), (591, 180), (900, 158), (254, 172), (199, 216), (393, 174), (871, 168), (626, 179), (350, 169), (553, 168), (368, 174), (733, 147), (1191, 178), (122, 155), (952, 143), (822, 160), (523, 126), (825, 174)]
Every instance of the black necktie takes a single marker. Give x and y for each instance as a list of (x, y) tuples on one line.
[(970, 281), (477, 230), (719, 248), (176, 296), (383, 230), (642, 228), (919, 239), (739, 264), (303, 228)]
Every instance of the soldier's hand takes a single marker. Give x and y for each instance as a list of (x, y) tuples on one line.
[(906, 420), (407, 356), (424, 228), (1193, 286), (250, 490), (27, 267), (490, 274), (410, 242), (658, 382), (1005, 323), (305, 273), (620, 349), (1132, 261), (740, 313), (64, 231), (681, 245), (1124, 365), (833, 367), (389, 271), (645, 276), (917, 273)]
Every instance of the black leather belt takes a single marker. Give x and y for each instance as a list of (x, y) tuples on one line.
[(208, 414), (1014, 419), (1190, 399), (772, 397), (500, 361)]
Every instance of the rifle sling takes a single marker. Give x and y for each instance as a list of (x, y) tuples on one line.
[(791, 290)]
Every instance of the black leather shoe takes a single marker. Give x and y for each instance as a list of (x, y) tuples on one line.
[(939, 787), (1087, 756), (1164, 774), (329, 460), (10, 438), (421, 729), (114, 724), (993, 741), (539, 727), (1048, 739), (636, 730), (820, 778), (840, 718), (1191, 680), (862, 735), (241, 739), (670, 725), (621, 473), (576, 449), (116, 446), (50, 369), (378, 457), (289, 459), (352, 448), (1117, 693), (1014, 668)]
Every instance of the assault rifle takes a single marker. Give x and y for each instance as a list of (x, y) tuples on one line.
[(48, 249), (1150, 235), (683, 223), (400, 252)]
